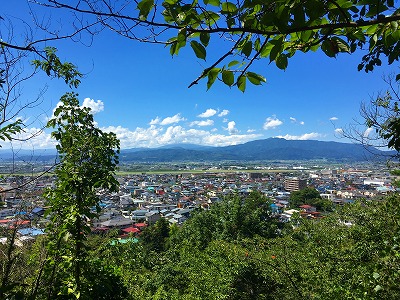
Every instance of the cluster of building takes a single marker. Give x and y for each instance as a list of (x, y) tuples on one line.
[(145, 198)]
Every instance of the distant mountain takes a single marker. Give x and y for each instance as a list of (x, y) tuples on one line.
[(186, 146), (21, 155), (268, 149)]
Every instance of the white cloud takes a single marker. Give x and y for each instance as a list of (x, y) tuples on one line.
[(272, 123), (223, 113), (339, 131), (151, 136), (232, 127), (157, 136), (306, 136), (31, 138), (208, 113), (207, 122), (294, 120), (225, 120), (367, 132), (333, 119), (250, 130), (155, 121), (95, 106), (171, 120)]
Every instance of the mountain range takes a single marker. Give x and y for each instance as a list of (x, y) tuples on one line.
[(259, 150), (267, 149)]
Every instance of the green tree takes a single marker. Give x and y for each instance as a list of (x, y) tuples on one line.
[(155, 237), (271, 30), (88, 160), (304, 196)]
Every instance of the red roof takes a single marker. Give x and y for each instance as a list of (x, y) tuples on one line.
[(138, 225), (305, 206), (131, 229)]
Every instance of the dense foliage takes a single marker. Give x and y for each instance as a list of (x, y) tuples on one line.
[(239, 250)]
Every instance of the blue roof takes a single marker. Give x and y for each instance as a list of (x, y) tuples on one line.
[(31, 231)]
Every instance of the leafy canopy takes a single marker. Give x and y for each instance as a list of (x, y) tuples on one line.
[(254, 29)]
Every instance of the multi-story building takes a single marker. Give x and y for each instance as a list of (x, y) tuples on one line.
[(295, 184)]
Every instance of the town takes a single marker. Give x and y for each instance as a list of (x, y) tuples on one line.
[(144, 198)]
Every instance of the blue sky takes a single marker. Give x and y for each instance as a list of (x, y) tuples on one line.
[(141, 93)]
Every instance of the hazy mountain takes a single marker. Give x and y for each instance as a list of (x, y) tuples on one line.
[(268, 149)]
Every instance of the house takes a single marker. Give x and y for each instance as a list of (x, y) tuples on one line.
[(308, 208), (117, 223), (287, 215), (152, 217), (6, 213)]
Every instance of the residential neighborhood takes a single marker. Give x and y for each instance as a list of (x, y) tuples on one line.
[(144, 198)]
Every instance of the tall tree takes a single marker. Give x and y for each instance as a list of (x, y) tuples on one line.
[(88, 161)]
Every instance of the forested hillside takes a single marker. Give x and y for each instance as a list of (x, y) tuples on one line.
[(235, 250)]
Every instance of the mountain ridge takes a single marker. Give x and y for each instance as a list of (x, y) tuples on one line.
[(257, 150)]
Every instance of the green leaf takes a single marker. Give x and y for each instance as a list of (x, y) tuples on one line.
[(212, 76), (209, 17), (329, 47), (228, 7), (144, 8), (241, 83), (306, 35), (247, 48), (228, 78), (212, 2), (233, 63), (255, 78), (198, 49), (341, 44), (378, 288), (282, 61), (276, 49), (205, 38)]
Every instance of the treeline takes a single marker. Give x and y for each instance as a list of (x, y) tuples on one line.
[(236, 250)]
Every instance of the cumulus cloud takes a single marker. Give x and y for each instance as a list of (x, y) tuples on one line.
[(293, 119), (272, 123), (232, 127), (306, 136), (154, 121), (31, 138), (339, 131), (172, 120), (95, 106), (301, 123), (157, 136), (333, 119), (208, 113), (223, 113), (151, 136), (207, 122)]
